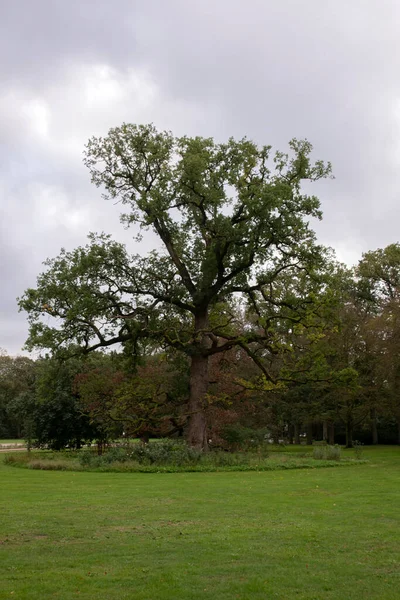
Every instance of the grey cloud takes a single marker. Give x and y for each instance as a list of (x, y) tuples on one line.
[(327, 71), (42, 37)]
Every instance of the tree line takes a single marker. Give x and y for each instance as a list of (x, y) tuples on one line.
[(334, 378)]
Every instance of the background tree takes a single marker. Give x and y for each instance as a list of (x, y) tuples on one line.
[(58, 418), (17, 377), (379, 288), (142, 404)]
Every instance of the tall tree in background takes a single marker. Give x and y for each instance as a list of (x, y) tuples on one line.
[(59, 419), (232, 222), (17, 377), (379, 287)]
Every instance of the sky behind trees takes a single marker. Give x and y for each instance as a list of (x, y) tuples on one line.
[(269, 70)]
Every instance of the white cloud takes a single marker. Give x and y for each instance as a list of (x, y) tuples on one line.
[(37, 116)]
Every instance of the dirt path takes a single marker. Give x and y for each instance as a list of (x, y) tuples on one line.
[(12, 448)]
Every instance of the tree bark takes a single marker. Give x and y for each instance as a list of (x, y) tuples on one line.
[(309, 434), (197, 428), (374, 427), (331, 433), (297, 434), (349, 434), (325, 430)]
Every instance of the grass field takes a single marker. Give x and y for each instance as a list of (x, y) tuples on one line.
[(319, 534)]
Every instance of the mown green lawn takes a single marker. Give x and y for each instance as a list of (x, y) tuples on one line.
[(306, 534)]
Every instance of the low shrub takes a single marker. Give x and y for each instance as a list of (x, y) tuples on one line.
[(237, 437), (325, 452), (86, 457), (53, 465), (208, 462), (168, 453), (164, 452)]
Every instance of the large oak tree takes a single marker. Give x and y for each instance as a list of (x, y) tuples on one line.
[(233, 226)]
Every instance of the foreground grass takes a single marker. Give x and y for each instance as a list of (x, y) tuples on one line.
[(306, 534)]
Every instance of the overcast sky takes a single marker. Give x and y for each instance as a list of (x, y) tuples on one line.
[(269, 69)]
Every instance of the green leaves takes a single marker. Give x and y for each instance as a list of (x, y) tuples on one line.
[(220, 209), (379, 274), (233, 223)]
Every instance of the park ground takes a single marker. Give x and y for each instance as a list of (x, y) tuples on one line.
[(331, 534)]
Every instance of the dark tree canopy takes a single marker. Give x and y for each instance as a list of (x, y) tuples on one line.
[(233, 223)]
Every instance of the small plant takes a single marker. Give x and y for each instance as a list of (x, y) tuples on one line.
[(319, 452), (86, 458), (325, 452), (333, 452), (115, 454), (358, 449)]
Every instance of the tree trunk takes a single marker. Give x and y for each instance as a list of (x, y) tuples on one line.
[(297, 434), (398, 430), (374, 427), (309, 434), (290, 433), (197, 428), (349, 434), (331, 434), (325, 430)]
